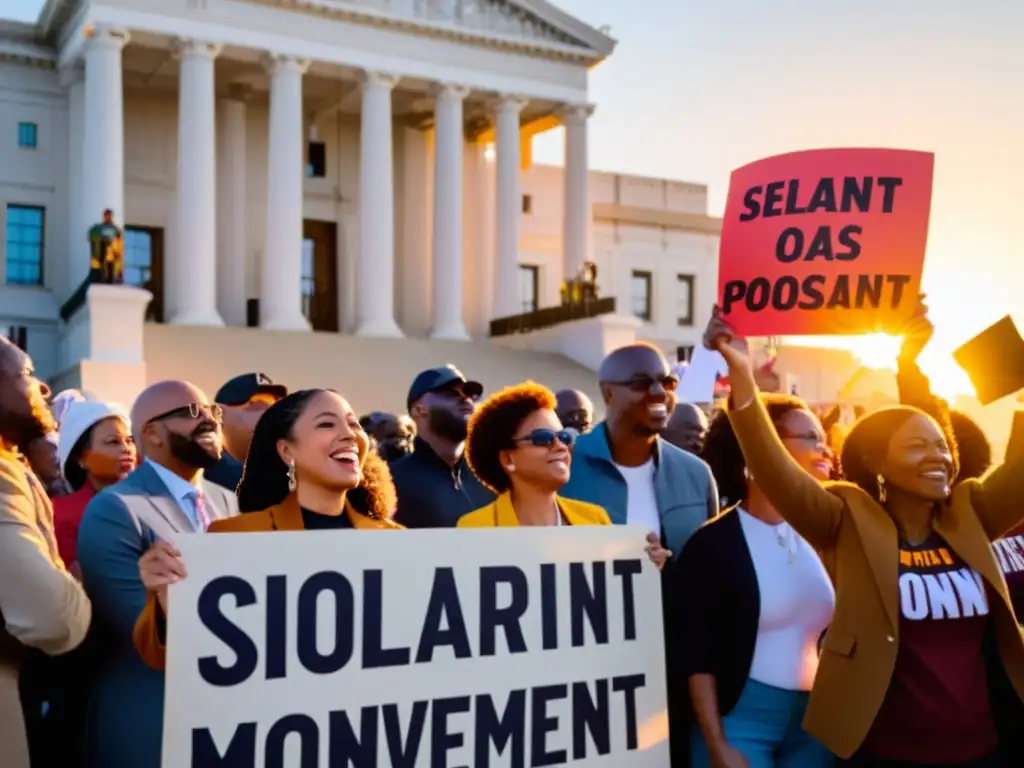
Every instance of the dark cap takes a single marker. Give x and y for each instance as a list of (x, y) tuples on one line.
[(434, 379), (994, 359), (240, 390)]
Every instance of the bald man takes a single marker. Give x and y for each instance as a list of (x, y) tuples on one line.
[(178, 433), (575, 410), (625, 466), (687, 427)]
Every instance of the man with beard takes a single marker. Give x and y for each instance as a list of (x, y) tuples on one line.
[(574, 410), (244, 399), (178, 433), (435, 486), (626, 467), (687, 428), (41, 605)]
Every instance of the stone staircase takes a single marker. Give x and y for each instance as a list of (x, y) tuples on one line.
[(373, 374)]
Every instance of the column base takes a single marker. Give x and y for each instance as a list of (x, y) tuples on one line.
[(285, 322), (207, 317), (379, 328), (450, 333)]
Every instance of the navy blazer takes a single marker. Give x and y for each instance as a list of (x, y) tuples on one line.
[(125, 727)]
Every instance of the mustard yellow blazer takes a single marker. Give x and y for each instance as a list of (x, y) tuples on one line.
[(500, 514), (859, 546), (148, 635)]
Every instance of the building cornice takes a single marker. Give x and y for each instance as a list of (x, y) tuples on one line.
[(698, 223), (18, 45)]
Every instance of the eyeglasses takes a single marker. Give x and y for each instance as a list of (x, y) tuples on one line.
[(812, 439), (646, 383), (191, 411), (545, 438)]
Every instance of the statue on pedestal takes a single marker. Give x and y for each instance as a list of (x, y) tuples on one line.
[(106, 251)]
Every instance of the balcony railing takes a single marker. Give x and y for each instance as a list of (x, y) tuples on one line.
[(551, 316)]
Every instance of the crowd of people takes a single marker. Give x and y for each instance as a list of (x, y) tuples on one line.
[(831, 597)]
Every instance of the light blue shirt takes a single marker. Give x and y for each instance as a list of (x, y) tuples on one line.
[(182, 491)]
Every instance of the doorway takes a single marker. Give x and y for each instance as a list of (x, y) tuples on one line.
[(320, 274), (144, 265)]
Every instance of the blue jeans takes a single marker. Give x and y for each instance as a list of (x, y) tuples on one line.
[(766, 726)]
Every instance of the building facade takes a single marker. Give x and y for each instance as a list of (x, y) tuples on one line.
[(360, 167)]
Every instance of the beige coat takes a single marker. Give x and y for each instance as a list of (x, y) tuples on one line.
[(42, 606)]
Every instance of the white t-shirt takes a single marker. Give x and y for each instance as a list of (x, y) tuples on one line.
[(641, 504), (797, 601)]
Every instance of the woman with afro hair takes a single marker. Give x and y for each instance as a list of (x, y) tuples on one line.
[(518, 448)]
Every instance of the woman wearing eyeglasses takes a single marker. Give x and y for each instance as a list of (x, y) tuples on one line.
[(517, 447)]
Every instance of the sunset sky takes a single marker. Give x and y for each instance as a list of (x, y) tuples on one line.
[(697, 89)]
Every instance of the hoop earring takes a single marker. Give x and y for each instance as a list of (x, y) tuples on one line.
[(881, 488), (291, 477)]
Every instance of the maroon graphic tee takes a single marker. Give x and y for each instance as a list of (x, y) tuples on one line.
[(1009, 552), (937, 709)]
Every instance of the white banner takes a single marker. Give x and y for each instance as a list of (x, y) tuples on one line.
[(416, 649)]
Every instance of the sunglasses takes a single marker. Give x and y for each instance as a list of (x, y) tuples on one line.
[(191, 411), (646, 383), (545, 438)]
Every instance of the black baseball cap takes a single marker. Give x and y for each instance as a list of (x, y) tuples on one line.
[(241, 389), (994, 359), (434, 379)]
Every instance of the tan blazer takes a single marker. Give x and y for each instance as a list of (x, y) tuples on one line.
[(149, 631), (41, 604), (859, 545)]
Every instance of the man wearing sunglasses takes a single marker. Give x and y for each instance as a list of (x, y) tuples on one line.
[(244, 399), (178, 432), (435, 486), (624, 465)]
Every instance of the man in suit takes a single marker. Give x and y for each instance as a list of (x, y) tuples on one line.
[(178, 434), (41, 604)]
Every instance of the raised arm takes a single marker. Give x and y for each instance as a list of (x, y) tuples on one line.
[(800, 499), (42, 605), (997, 498)]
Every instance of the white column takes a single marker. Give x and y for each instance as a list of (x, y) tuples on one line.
[(192, 271), (232, 197), (577, 222), (448, 243), (375, 273), (508, 207), (78, 219), (103, 130), (281, 263)]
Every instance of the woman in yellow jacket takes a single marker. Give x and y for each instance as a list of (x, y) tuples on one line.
[(517, 447)]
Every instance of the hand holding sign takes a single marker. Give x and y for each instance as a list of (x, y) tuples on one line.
[(825, 241), (160, 566), (918, 332)]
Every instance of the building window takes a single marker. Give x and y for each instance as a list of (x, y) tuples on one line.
[(28, 135), (527, 203), (640, 296), (529, 284), (316, 160), (143, 265), (25, 244), (684, 300), (308, 275)]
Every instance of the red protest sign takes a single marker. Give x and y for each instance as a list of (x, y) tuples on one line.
[(827, 241)]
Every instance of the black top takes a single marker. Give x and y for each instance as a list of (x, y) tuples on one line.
[(314, 521), (714, 609), (227, 473), (432, 494)]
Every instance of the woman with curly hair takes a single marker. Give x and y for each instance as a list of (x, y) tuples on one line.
[(902, 679), (309, 468), (518, 448), (748, 636)]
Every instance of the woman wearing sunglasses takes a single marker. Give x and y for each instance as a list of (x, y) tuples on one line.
[(517, 447)]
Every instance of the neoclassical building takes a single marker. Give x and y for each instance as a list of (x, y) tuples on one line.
[(352, 166)]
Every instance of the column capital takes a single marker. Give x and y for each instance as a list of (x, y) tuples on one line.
[(108, 37), (187, 48), (450, 91), (278, 62), (369, 78), (575, 113), (509, 102)]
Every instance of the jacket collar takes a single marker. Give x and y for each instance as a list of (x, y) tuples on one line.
[(596, 444), (287, 516), (505, 513)]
